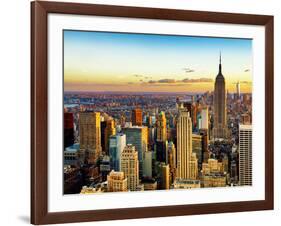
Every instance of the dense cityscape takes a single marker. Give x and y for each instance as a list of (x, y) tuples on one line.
[(139, 141)]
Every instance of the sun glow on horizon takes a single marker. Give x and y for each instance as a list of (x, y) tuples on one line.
[(105, 61)]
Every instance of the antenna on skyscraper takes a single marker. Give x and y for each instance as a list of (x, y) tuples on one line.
[(220, 64)]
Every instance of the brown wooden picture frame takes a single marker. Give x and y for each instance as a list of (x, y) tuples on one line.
[(39, 111)]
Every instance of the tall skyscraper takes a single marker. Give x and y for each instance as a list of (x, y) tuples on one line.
[(137, 136), (102, 128), (68, 129), (220, 120), (172, 160), (161, 127), (184, 144), (161, 151), (116, 145), (204, 118), (117, 182), (137, 117), (245, 154), (161, 137), (193, 113), (109, 131), (130, 166), (148, 121), (90, 134), (205, 142), (147, 164)]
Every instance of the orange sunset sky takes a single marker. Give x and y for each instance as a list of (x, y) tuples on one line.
[(104, 61)]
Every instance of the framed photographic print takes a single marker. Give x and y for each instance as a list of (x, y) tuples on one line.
[(148, 112)]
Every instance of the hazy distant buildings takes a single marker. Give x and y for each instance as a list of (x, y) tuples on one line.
[(122, 120), (245, 154), (90, 134), (116, 145), (137, 117), (238, 90), (130, 166), (220, 118)]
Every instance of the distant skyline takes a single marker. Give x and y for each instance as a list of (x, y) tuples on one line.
[(106, 61)]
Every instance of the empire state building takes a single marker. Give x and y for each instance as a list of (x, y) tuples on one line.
[(220, 125)]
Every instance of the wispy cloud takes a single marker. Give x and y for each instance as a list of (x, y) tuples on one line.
[(167, 80), (197, 80), (184, 81), (245, 82), (137, 75), (188, 70)]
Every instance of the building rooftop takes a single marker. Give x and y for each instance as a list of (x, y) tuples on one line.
[(243, 126), (73, 148), (186, 181)]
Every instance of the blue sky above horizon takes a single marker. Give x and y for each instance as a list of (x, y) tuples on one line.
[(107, 61)]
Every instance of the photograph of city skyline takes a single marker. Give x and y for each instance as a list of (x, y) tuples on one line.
[(149, 112)]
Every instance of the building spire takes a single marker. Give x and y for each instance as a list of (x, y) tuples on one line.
[(220, 64)]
